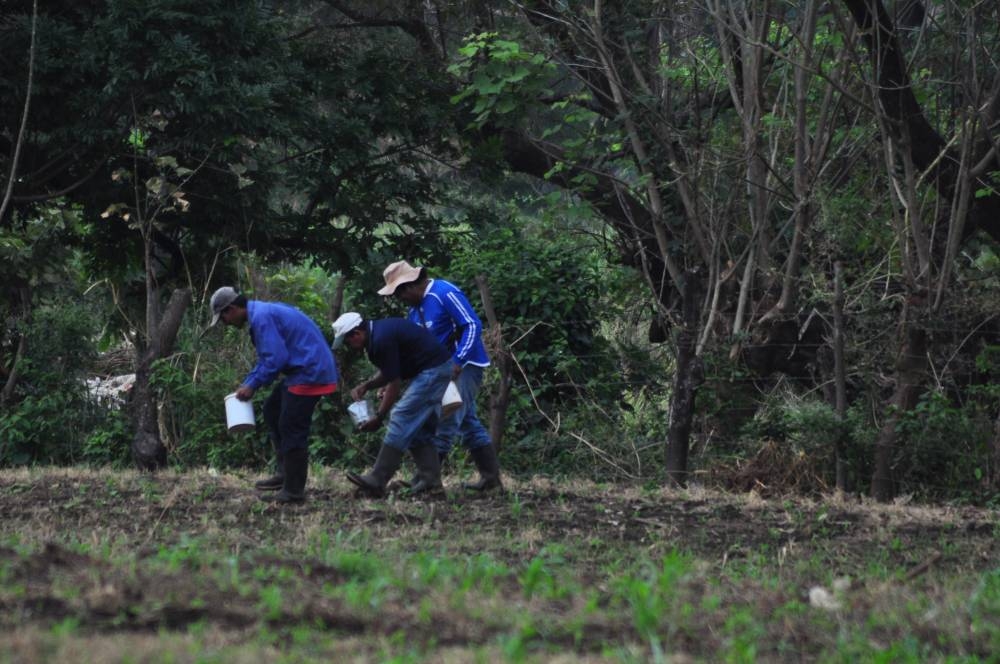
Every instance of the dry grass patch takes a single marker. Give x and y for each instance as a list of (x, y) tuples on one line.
[(185, 562)]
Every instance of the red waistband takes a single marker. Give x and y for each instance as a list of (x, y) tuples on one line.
[(313, 390)]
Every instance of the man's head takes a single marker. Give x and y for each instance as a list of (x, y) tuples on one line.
[(228, 306), (405, 282), (349, 328)]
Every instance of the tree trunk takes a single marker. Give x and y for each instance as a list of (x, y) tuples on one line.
[(840, 377), (16, 157), (803, 174), (908, 125), (22, 347), (337, 303), (500, 400), (687, 377), (993, 463), (258, 282), (148, 451), (911, 368)]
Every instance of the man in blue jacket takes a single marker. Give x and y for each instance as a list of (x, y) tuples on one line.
[(400, 351), (444, 310), (290, 345)]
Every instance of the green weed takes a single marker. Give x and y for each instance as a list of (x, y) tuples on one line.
[(66, 627), (271, 600)]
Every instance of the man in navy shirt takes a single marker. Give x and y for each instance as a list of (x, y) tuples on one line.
[(445, 311), (400, 350), (291, 345)]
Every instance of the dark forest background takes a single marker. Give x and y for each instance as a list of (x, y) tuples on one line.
[(751, 244)]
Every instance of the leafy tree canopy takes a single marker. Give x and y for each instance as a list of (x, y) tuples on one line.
[(284, 141)]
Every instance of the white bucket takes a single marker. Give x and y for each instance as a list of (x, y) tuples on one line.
[(360, 412), (451, 401), (239, 414)]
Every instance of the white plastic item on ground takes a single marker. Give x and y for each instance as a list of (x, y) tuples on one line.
[(821, 598), (112, 390), (360, 412), (451, 401), (239, 414)]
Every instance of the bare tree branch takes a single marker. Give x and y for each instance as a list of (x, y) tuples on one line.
[(24, 114)]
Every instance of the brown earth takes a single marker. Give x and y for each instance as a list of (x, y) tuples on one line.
[(108, 550)]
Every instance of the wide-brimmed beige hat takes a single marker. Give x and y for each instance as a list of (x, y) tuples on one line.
[(397, 274)]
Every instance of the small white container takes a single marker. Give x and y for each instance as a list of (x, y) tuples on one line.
[(239, 414), (451, 401), (361, 412)]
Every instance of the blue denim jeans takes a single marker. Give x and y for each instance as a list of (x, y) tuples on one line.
[(413, 419), (464, 422), (288, 418)]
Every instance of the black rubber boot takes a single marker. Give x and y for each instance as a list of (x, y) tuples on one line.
[(374, 482), (489, 469), (415, 480), (406, 484), (276, 481), (296, 473), (272, 414), (428, 477)]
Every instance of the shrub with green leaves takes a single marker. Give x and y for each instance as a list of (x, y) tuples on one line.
[(549, 294), (50, 413), (944, 445)]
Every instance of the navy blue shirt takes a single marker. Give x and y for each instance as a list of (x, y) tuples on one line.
[(402, 349)]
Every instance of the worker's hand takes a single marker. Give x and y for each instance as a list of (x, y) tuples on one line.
[(358, 392), (456, 369), (374, 424), (245, 393)]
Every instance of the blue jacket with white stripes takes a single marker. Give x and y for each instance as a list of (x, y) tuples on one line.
[(449, 316)]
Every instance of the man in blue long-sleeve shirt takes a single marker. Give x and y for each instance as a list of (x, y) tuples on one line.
[(444, 310), (290, 346)]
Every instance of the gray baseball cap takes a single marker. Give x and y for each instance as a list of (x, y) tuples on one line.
[(221, 299)]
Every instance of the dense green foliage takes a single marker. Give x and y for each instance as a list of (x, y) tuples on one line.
[(581, 161), (54, 416)]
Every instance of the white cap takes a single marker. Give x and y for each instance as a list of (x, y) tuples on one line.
[(344, 325)]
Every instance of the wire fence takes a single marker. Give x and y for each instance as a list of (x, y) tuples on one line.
[(610, 405), (962, 464)]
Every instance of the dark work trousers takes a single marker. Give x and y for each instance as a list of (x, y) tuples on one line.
[(288, 418)]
